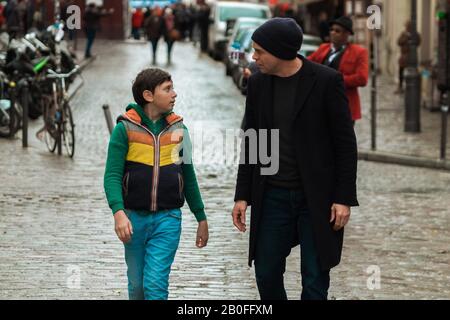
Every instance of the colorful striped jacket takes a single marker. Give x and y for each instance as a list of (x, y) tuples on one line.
[(153, 178)]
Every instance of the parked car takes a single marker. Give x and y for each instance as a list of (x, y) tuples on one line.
[(226, 12), (245, 55), (237, 37), (310, 44)]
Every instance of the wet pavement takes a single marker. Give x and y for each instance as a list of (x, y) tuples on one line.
[(390, 137), (56, 230)]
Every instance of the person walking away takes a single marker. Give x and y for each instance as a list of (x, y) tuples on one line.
[(137, 20), (91, 19), (170, 32), (203, 22), (403, 43), (153, 26)]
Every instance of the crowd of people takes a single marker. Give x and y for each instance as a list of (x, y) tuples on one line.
[(178, 22), (19, 16)]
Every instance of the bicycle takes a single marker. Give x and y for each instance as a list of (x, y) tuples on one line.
[(59, 126)]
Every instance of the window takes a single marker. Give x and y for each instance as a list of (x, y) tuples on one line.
[(227, 13)]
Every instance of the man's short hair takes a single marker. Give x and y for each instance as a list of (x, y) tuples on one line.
[(148, 79)]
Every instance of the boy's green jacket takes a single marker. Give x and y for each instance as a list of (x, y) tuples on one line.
[(143, 169)]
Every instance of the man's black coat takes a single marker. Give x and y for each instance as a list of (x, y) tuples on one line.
[(325, 149)]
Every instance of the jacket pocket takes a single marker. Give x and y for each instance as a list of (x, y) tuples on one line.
[(125, 183)]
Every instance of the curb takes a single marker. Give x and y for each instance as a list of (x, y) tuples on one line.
[(404, 160), (86, 62), (83, 65)]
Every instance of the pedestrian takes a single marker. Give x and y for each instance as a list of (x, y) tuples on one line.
[(403, 42), (324, 27), (91, 19), (307, 200), (36, 14), (171, 32), (153, 26), (149, 174), (137, 20), (351, 60), (203, 21), (11, 13), (2, 15)]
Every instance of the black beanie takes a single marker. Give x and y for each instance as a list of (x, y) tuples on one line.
[(282, 37)]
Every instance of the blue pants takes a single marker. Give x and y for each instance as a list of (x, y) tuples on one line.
[(90, 35), (150, 253), (285, 216)]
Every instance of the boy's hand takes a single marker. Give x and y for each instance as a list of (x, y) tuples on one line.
[(202, 234), (123, 226)]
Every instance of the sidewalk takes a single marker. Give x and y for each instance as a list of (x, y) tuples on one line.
[(393, 144), (57, 232)]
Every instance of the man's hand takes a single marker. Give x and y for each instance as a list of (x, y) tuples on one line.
[(341, 214), (239, 215), (123, 226), (247, 73), (202, 234)]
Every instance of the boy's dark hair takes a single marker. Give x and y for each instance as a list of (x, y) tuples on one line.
[(148, 79)]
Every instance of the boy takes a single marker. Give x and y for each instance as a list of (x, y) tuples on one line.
[(148, 174)]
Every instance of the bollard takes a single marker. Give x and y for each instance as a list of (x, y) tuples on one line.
[(373, 97), (444, 113), (23, 91), (108, 118)]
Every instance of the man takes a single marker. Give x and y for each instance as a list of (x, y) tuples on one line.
[(13, 20), (351, 60), (203, 12), (308, 200), (403, 42), (324, 28), (92, 24)]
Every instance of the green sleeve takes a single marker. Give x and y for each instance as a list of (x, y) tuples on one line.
[(115, 163), (191, 189)]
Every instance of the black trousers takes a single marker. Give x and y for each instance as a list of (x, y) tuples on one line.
[(285, 216)]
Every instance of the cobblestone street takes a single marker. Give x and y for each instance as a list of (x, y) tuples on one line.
[(55, 223)]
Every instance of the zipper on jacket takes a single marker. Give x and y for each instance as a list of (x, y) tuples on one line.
[(180, 185), (156, 167)]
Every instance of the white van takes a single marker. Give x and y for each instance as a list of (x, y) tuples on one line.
[(228, 11)]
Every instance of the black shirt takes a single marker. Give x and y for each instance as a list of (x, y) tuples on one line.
[(285, 89)]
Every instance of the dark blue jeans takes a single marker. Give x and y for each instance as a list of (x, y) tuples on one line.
[(90, 35), (285, 216)]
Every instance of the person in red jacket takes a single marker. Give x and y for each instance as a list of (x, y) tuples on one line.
[(349, 59), (137, 20)]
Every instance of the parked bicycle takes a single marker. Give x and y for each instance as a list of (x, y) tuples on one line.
[(59, 126)]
